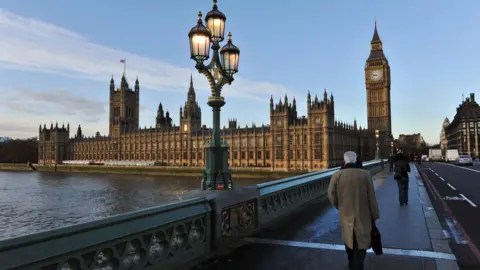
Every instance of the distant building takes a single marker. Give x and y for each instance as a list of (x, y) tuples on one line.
[(290, 142), (443, 135), (377, 83), (463, 132), (411, 141)]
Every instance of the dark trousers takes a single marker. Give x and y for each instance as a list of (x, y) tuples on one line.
[(403, 191), (356, 256), (391, 167)]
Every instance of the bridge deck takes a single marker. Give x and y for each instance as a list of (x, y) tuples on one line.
[(311, 239)]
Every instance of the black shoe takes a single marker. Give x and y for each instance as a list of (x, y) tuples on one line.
[(401, 204), (406, 202)]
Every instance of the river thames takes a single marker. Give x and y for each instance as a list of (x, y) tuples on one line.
[(37, 201)]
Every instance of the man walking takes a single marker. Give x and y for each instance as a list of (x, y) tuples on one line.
[(402, 168), (391, 161), (351, 191)]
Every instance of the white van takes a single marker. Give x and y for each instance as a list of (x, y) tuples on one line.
[(451, 155)]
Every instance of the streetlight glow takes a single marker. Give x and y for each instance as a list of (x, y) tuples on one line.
[(199, 41), (219, 72), (215, 21), (230, 56)]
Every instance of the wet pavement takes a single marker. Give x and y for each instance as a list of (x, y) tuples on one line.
[(412, 237)]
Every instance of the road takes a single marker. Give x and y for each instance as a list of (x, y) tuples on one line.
[(459, 187)]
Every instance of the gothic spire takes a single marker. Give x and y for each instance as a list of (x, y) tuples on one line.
[(376, 37), (376, 51), (191, 90)]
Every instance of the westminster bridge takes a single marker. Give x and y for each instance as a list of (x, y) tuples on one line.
[(283, 224)]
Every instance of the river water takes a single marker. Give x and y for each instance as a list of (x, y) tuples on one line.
[(37, 201)]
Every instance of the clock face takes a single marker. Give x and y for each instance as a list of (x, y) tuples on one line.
[(185, 127), (376, 75)]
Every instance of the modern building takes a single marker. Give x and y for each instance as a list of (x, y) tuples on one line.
[(443, 135), (464, 130), (289, 142), (377, 82)]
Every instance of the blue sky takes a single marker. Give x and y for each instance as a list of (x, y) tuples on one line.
[(57, 57)]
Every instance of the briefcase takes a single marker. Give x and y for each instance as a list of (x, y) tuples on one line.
[(376, 240)]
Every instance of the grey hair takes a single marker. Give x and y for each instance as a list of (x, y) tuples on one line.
[(350, 157)]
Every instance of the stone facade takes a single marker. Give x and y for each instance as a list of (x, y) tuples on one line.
[(377, 83), (410, 143), (289, 142), (443, 136), (464, 131)]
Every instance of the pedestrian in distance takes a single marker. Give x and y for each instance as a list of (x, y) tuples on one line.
[(391, 161), (359, 163), (351, 191), (402, 168)]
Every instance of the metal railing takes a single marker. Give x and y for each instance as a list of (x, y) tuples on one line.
[(171, 235)]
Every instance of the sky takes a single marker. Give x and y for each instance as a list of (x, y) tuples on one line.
[(57, 58)]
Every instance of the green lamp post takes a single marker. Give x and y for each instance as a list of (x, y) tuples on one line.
[(377, 152), (219, 72)]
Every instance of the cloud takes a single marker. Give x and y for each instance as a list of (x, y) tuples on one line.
[(23, 110), (25, 127), (30, 44), (52, 103)]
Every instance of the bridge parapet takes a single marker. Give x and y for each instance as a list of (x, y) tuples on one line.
[(168, 236)]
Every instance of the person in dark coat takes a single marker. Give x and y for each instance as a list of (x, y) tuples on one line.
[(359, 163), (402, 168), (391, 160)]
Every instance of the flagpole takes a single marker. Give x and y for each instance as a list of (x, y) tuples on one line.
[(124, 66)]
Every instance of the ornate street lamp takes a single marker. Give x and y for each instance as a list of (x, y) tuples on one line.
[(391, 148), (377, 136), (219, 72)]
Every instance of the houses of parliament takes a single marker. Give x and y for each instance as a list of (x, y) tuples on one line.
[(289, 142)]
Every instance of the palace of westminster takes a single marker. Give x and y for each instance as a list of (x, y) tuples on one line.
[(289, 142)]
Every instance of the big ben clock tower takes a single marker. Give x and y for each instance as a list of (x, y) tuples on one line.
[(377, 82)]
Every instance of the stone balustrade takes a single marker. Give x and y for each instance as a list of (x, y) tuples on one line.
[(168, 236)]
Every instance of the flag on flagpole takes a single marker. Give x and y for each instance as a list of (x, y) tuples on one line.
[(124, 65)]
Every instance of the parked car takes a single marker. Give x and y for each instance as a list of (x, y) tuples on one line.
[(464, 160)]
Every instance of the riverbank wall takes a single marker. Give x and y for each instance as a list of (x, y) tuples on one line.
[(237, 173)]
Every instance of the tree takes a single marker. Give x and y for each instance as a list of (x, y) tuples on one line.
[(19, 151)]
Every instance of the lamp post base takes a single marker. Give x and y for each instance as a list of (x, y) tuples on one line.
[(216, 175), (217, 181)]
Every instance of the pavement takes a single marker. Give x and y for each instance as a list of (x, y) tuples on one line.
[(458, 188), (412, 237)]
